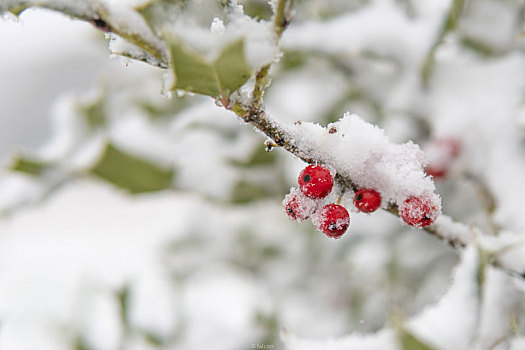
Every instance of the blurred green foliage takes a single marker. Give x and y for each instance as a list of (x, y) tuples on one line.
[(129, 172)]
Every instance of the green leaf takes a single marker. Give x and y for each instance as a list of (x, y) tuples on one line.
[(159, 12), (293, 59), (484, 260), (245, 192), (449, 24), (152, 338), (192, 72), (410, 342), (168, 108), (28, 166), (219, 78), (94, 112), (407, 340), (131, 173), (259, 157), (270, 325), (17, 10), (258, 9), (80, 343), (455, 12), (122, 296), (231, 67), (478, 47)]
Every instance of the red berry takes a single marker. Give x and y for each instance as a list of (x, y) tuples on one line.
[(441, 154), (436, 172), (450, 145), (315, 181), (298, 206), (367, 200), (332, 220), (419, 211)]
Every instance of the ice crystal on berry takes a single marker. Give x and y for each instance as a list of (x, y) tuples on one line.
[(298, 206), (316, 181), (332, 220), (420, 211), (367, 200)]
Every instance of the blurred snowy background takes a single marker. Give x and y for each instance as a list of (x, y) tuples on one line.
[(134, 221)]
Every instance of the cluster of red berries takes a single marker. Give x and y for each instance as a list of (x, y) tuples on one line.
[(316, 182)]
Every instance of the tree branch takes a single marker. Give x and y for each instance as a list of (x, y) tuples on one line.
[(125, 22), (281, 19), (151, 49), (455, 234)]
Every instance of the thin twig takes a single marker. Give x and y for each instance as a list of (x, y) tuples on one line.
[(281, 20), (98, 14), (287, 140)]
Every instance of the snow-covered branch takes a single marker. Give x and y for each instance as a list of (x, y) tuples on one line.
[(317, 145), (394, 169), (124, 21)]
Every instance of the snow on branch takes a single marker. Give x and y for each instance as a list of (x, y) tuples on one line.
[(362, 156), (359, 153), (119, 19)]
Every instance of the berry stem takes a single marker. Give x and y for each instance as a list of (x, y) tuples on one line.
[(345, 182)]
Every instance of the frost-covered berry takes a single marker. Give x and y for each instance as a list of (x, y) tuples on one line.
[(367, 200), (332, 220), (315, 181), (419, 211), (298, 206)]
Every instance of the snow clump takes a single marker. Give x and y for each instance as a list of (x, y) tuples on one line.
[(361, 151)]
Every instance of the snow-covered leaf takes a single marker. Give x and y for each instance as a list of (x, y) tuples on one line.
[(449, 24), (130, 172), (410, 342), (158, 12), (451, 323), (17, 10), (218, 78), (499, 305), (258, 157), (244, 192), (119, 19)]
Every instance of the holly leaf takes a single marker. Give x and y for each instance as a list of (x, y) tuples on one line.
[(130, 172), (28, 166), (94, 112), (259, 157), (410, 342), (449, 24), (159, 12), (231, 67), (245, 192), (17, 10), (218, 78)]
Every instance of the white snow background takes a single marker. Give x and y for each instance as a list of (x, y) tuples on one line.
[(86, 265)]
